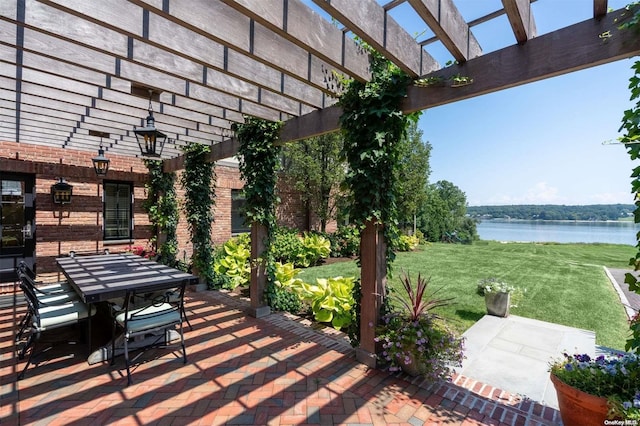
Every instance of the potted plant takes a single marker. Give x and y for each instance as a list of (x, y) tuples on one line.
[(416, 340), (591, 391), (499, 296)]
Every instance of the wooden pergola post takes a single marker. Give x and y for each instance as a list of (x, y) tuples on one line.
[(258, 307), (373, 273)]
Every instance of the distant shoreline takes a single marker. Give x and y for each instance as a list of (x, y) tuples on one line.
[(502, 219)]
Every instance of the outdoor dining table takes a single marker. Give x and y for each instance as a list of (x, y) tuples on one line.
[(108, 277)]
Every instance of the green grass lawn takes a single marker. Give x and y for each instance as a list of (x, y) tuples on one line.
[(566, 283)]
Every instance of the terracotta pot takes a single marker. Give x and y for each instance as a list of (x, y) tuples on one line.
[(498, 303), (578, 408)]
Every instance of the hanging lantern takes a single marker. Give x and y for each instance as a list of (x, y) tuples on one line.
[(150, 140), (61, 192), (101, 163)]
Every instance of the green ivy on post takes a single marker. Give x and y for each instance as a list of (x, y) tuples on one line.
[(373, 125), (161, 206), (259, 161), (199, 181), (631, 139)]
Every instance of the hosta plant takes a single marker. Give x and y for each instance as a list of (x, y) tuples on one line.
[(407, 243), (283, 294), (330, 299), (235, 262), (315, 247)]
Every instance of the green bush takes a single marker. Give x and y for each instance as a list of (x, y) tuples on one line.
[(345, 242), (315, 247), (407, 243), (283, 296), (234, 262), (331, 300), (286, 245)]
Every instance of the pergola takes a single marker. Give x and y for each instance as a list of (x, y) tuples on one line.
[(81, 74)]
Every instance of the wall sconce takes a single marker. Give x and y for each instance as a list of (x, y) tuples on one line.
[(101, 163), (149, 138), (61, 192)]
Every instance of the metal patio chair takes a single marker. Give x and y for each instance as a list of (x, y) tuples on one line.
[(151, 320), (47, 314)]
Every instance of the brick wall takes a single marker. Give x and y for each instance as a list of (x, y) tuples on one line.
[(293, 213), (78, 225), (61, 228)]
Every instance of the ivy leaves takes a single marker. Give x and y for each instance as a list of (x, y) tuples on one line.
[(373, 125), (259, 160), (162, 207), (198, 181)]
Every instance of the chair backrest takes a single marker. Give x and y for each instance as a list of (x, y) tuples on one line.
[(25, 269), (74, 253), (152, 307), (30, 296)]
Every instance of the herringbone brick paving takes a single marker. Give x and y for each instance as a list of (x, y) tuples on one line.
[(277, 370)]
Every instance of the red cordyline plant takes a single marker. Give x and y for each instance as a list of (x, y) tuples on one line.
[(415, 339), (416, 303)]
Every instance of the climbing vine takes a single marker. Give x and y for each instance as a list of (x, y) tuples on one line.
[(199, 181), (259, 161), (631, 139), (372, 125), (161, 206)]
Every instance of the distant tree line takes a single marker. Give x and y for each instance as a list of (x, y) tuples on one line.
[(437, 211), (553, 212)]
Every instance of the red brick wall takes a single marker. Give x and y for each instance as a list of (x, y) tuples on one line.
[(292, 212), (78, 225)]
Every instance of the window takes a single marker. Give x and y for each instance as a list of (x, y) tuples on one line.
[(117, 211), (238, 224)]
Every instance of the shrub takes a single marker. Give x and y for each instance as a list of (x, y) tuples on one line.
[(345, 242), (286, 245), (282, 295), (407, 243), (331, 300), (234, 262), (315, 247)]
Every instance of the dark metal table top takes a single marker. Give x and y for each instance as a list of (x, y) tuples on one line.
[(107, 276)]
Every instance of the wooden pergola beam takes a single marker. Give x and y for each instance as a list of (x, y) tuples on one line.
[(444, 19), (573, 48), (520, 18), (292, 20), (369, 21)]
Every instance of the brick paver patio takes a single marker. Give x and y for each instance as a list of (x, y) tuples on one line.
[(277, 370)]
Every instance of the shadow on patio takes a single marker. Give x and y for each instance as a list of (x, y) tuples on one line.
[(276, 370)]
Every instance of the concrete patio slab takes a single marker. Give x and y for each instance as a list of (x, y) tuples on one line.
[(514, 353)]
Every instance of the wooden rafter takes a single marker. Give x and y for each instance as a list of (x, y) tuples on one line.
[(449, 26), (371, 22), (292, 20), (71, 69), (520, 18), (599, 8)]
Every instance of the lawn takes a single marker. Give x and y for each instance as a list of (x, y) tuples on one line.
[(565, 283)]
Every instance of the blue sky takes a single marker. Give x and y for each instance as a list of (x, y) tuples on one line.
[(539, 143)]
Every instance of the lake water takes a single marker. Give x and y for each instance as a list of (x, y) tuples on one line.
[(559, 231)]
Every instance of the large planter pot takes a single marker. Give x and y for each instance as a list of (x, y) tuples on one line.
[(578, 408), (498, 303), (416, 367)]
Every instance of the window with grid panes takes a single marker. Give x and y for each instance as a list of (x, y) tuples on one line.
[(238, 223), (117, 211)]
